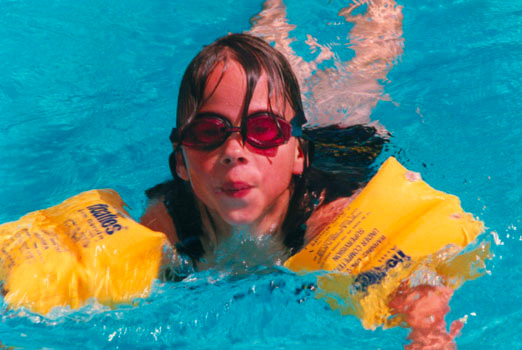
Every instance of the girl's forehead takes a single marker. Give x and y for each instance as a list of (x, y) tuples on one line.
[(226, 88), (226, 79)]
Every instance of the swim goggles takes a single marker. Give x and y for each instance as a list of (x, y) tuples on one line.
[(261, 130)]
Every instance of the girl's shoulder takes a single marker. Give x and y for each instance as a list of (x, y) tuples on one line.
[(325, 214), (156, 216), (318, 195)]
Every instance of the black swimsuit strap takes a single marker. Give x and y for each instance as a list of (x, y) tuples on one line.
[(187, 220)]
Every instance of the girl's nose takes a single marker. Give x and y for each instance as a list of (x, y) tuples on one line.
[(234, 151)]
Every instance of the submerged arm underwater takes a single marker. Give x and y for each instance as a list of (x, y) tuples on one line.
[(346, 93)]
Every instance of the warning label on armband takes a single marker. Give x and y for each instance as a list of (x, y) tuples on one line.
[(27, 244), (347, 242), (351, 244)]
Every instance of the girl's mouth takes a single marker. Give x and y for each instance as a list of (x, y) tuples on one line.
[(236, 189)]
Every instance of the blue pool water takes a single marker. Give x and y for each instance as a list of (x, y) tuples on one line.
[(87, 98)]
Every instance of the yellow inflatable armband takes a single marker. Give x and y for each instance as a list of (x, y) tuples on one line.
[(86, 247), (390, 230)]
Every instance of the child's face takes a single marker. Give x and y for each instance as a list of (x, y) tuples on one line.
[(240, 183)]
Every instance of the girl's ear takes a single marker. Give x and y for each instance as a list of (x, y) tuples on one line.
[(181, 168), (299, 160)]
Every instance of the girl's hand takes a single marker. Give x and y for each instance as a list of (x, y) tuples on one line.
[(424, 308)]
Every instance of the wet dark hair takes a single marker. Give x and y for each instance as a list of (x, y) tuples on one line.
[(255, 57)]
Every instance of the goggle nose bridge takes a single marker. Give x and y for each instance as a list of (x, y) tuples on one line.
[(232, 129)]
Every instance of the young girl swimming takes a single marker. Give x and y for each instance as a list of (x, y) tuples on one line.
[(241, 163)]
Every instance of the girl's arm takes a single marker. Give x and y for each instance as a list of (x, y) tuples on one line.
[(424, 308), (347, 94), (376, 37), (272, 25)]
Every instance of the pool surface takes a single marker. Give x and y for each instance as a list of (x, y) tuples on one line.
[(88, 96)]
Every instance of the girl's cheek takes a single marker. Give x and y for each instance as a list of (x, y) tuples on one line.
[(201, 160)]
